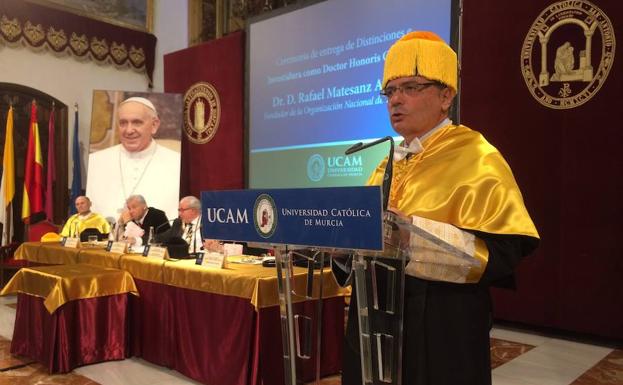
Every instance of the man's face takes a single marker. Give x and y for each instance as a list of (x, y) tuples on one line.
[(136, 209), (83, 205), (415, 113), (186, 213), (137, 124)]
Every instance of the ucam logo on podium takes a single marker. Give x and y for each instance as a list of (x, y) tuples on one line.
[(336, 217), (265, 215)]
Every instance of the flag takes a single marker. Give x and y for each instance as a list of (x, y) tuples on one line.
[(76, 184), (51, 174), (7, 187), (33, 170)]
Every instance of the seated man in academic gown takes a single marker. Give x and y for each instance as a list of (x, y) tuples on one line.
[(137, 218), (84, 219)]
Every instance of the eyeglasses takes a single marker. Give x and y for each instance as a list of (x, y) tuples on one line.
[(410, 89), (183, 209)]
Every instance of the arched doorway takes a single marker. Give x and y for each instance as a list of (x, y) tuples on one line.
[(21, 98)]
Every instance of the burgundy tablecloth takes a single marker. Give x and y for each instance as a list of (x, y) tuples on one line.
[(222, 340), (80, 332)]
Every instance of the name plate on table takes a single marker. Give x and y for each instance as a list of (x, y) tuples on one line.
[(155, 252), (212, 259), (337, 217), (117, 247), (72, 242)]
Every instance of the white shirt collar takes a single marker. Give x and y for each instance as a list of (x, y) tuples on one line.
[(194, 222), (140, 221), (415, 147)]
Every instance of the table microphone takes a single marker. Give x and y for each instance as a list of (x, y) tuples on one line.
[(164, 223), (75, 227)]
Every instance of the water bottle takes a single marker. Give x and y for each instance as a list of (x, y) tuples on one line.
[(150, 239), (112, 235)]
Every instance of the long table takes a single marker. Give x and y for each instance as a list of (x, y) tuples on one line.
[(217, 326)]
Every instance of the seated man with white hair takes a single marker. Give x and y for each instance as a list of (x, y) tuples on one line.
[(187, 225), (137, 219)]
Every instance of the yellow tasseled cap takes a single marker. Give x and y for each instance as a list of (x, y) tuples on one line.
[(421, 53), (50, 237)]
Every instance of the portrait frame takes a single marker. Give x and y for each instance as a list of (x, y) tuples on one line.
[(138, 15)]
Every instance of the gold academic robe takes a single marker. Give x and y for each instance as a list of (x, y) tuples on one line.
[(75, 225), (462, 180)]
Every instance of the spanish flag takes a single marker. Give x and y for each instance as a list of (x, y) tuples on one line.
[(33, 171), (7, 187)]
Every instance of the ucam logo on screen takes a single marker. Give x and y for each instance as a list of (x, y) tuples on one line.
[(334, 166), (344, 165)]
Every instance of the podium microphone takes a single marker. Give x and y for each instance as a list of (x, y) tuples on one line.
[(389, 167)]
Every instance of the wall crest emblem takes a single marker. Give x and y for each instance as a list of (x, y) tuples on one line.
[(202, 112), (568, 53)]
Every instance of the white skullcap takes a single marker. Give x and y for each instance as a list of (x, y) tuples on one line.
[(146, 102)]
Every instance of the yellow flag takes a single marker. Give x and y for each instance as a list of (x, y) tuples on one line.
[(7, 188)]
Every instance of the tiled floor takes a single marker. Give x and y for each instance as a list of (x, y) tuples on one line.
[(517, 358)]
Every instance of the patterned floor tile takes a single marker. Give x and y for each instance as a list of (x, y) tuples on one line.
[(6, 359), (26, 372), (608, 371), (37, 374), (504, 351)]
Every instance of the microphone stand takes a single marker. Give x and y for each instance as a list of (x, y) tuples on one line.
[(193, 239), (389, 167)]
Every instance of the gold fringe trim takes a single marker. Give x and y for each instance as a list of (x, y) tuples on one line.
[(55, 40), (434, 60)]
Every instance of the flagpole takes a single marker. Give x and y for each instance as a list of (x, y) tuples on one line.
[(26, 220), (8, 212)]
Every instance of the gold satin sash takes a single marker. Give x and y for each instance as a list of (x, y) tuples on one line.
[(462, 180), (60, 284)]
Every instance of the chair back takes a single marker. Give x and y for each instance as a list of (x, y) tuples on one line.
[(37, 230)]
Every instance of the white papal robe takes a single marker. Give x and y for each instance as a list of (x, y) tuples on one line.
[(115, 173)]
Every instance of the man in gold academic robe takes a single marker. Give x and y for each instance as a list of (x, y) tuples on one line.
[(84, 219), (448, 176)]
